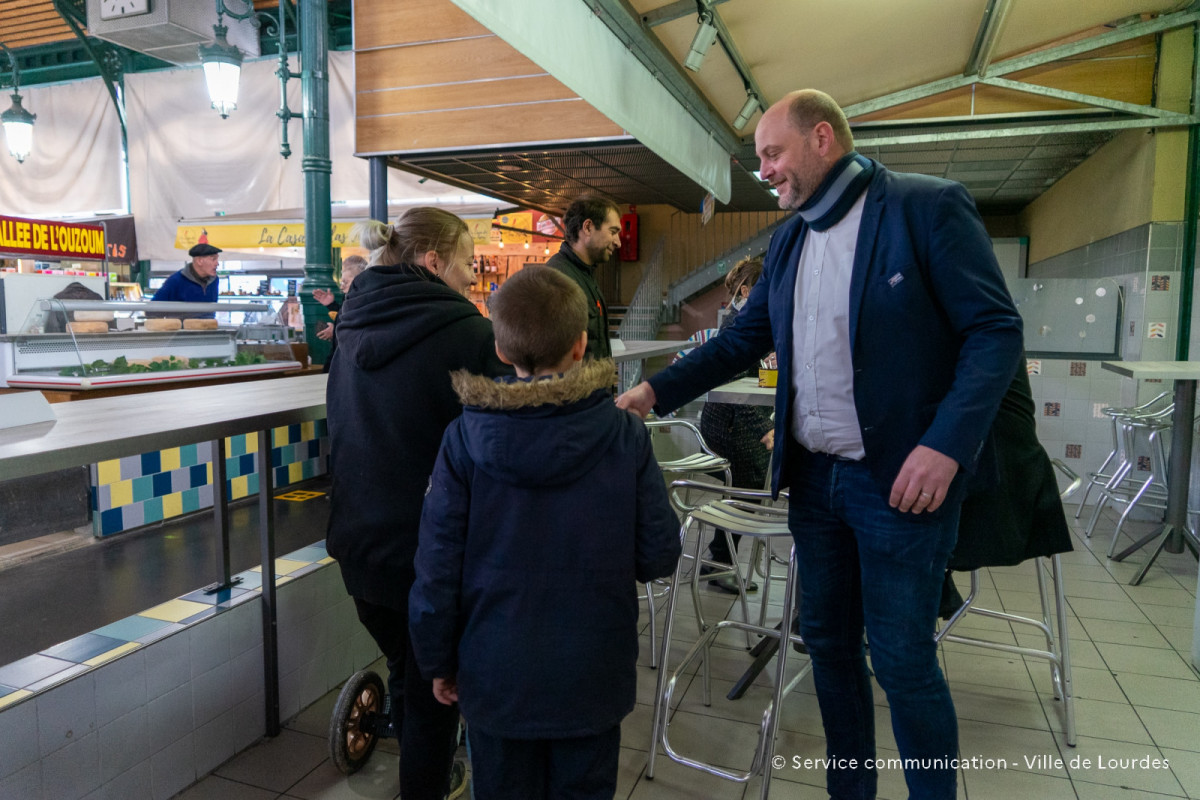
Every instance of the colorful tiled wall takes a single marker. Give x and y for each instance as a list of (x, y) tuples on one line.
[(140, 490)]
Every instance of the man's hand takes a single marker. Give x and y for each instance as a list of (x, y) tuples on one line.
[(923, 480), (769, 439), (446, 690), (323, 296), (325, 333), (640, 400)]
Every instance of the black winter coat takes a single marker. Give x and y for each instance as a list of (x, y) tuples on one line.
[(401, 332), (568, 263), (1021, 516), (545, 510)]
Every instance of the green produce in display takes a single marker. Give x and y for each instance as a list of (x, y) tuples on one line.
[(122, 365)]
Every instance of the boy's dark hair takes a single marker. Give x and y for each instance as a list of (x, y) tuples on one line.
[(538, 315), (584, 208)]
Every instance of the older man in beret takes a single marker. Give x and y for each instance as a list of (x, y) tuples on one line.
[(197, 281)]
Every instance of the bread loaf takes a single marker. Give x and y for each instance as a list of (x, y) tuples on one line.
[(168, 324), (87, 327), (199, 324)]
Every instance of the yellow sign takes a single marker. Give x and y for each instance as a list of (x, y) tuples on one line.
[(241, 236), (481, 230), (522, 220)]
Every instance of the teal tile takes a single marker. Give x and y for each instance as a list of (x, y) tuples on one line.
[(152, 510), (306, 469), (191, 500), (252, 483), (233, 467), (143, 488), (188, 456)]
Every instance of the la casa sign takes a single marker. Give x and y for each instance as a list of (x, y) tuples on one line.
[(52, 240)]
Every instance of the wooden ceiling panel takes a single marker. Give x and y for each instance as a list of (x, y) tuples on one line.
[(501, 92), (28, 22), (440, 63), (481, 127), (386, 24)]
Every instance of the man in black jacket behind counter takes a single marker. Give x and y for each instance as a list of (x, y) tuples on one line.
[(593, 228)]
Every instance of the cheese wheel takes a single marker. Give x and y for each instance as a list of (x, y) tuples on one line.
[(87, 327), (168, 324), (199, 324)]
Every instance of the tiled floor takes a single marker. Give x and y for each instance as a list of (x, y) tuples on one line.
[(1138, 701)]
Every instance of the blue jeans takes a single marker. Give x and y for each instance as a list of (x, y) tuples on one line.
[(865, 564)]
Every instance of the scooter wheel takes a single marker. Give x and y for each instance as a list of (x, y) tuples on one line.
[(350, 745)]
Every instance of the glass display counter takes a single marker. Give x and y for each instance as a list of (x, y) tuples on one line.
[(92, 344)]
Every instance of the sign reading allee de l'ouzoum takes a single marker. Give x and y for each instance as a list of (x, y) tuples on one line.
[(52, 240)]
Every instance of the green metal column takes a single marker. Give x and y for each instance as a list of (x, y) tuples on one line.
[(316, 164)]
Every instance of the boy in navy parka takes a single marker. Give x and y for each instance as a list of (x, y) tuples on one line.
[(546, 508)]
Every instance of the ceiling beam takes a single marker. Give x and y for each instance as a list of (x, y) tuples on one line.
[(987, 37), (735, 56), (1125, 33), (673, 11), (1076, 97), (933, 137), (626, 25)]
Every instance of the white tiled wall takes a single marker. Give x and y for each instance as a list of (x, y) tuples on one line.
[(152, 722)]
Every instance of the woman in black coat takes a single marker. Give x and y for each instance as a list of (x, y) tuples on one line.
[(401, 332)]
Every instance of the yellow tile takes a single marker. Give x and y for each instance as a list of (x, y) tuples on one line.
[(96, 661), (240, 487), (13, 697), (108, 472), (295, 472), (282, 579), (228, 445), (279, 437), (327, 560), (284, 566), (172, 505), (170, 459), (308, 431), (175, 610), (122, 493), (209, 472)]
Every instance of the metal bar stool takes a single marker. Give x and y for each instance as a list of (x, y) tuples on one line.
[(1052, 625), (732, 511), (1120, 484), (1100, 477), (703, 462), (1156, 480)]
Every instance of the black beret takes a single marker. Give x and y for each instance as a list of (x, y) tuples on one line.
[(203, 249)]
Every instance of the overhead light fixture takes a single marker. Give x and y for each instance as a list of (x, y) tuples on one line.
[(527, 245), (748, 108), (547, 249), (706, 34), (17, 121), (222, 70)]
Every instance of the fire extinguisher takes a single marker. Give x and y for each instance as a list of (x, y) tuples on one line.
[(629, 235)]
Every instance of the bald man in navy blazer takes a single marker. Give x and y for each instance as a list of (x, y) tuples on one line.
[(896, 339)]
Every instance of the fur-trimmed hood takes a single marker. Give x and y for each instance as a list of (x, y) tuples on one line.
[(512, 393), (542, 432)]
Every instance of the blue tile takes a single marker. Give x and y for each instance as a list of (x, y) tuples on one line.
[(307, 554), (223, 596), (281, 476), (151, 463), (81, 648), (31, 669), (250, 580), (131, 628), (111, 521), (93, 498), (162, 484), (7, 690), (208, 612), (276, 456), (247, 464), (314, 448), (199, 475)]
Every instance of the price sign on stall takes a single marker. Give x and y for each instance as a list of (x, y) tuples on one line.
[(51, 240)]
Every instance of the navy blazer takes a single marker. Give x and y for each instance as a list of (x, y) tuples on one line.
[(935, 336)]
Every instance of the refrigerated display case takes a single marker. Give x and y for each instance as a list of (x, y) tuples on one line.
[(92, 344)]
